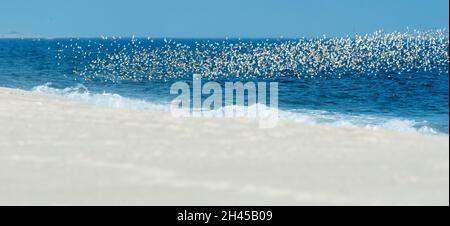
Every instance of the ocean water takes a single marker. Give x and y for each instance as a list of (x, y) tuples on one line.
[(393, 81)]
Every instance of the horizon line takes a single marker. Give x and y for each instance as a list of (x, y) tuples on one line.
[(18, 35)]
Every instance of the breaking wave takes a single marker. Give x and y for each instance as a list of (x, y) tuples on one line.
[(82, 94)]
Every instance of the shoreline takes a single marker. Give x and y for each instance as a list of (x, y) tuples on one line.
[(56, 151)]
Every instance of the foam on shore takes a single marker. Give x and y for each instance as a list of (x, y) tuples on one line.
[(82, 94)]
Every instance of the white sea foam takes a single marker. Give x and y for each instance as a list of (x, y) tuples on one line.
[(354, 120), (82, 94)]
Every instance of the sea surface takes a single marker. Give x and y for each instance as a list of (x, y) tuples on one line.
[(394, 81)]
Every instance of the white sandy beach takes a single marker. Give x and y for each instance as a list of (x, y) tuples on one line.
[(58, 152)]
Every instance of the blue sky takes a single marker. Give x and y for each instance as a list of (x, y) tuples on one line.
[(218, 18)]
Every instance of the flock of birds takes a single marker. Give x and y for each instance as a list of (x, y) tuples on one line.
[(135, 59)]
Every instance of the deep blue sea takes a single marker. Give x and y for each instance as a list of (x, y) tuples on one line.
[(394, 81)]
